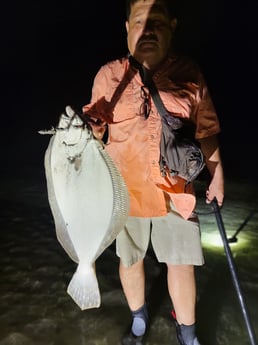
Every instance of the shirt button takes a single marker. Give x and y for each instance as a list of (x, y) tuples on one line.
[(152, 137)]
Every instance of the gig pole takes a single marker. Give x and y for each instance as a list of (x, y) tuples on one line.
[(233, 271)]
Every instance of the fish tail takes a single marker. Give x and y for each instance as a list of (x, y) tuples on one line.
[(84, 289)]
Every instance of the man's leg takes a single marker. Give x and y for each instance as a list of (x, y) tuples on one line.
[(133, 283), (182, 290), (131, 246)]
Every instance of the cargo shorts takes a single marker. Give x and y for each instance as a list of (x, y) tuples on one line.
[(174, 240)]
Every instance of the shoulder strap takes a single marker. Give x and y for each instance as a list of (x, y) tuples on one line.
[(147, 80)]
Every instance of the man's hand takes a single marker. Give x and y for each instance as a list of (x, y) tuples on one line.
[(98, 128), (211, 152), (215, 190)]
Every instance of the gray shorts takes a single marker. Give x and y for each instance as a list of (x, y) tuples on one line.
[(174, 240)]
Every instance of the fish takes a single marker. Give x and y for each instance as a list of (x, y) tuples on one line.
[(88, 199)]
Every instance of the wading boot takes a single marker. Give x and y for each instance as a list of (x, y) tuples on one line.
[(185, 334), (138, 327)]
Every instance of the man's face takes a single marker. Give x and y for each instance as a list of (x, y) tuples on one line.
[(149, 32)]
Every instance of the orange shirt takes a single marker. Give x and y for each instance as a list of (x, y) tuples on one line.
[(134, 142)]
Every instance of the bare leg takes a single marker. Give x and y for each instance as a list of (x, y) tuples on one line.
[(182, 290), (133, 283)]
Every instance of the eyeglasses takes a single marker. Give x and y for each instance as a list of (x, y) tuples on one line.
[(145, 106)]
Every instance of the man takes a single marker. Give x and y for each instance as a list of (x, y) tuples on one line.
[(161, 207)]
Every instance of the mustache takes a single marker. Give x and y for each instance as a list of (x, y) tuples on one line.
[(148, 38)]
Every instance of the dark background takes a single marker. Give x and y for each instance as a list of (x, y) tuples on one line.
[(51, 51)]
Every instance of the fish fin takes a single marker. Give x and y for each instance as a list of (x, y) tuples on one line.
[(120, 204), (60, 226), (84, 289)]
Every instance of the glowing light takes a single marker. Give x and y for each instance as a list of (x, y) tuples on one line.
[(213, 240)]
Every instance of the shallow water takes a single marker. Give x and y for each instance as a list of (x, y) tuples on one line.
[(35, 272)]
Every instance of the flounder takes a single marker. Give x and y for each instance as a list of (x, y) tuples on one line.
[(88, 199)]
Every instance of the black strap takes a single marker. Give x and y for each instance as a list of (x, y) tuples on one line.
[(147, 80)]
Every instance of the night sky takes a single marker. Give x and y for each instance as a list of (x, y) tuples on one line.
[(51, 51)]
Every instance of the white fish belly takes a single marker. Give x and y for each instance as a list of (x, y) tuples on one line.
[(85, 198), (89, 202)]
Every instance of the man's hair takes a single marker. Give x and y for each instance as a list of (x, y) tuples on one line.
[(169, 5)]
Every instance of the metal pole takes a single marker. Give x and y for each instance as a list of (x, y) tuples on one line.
[(233, 271), (233, 239)]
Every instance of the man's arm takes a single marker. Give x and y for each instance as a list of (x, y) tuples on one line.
[(211, 151)]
